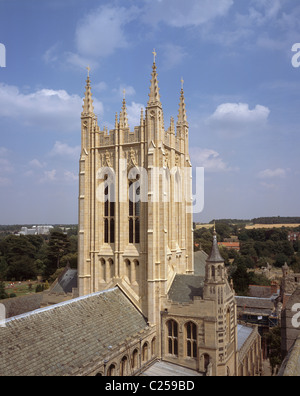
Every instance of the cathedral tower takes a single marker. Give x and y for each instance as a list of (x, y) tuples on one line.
[(135, 220)]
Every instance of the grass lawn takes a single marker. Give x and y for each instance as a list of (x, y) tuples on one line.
[(20, 288)]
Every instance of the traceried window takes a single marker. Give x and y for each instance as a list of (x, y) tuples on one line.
[(109, 214), (172, 337), (191, 339), (134, 212)]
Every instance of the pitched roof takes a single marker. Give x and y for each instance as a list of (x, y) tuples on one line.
[(61, 339), (215, 256), (185, 287)]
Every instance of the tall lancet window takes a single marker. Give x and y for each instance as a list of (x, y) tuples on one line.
[(134, 208), (109, 212)]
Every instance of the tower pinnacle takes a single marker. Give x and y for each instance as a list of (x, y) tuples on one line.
[(88, 108), (154, 97), (182, 119)]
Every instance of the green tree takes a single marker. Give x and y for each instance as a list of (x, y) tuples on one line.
[(273, 340), (58, 246), (241, 279), (3, 294)]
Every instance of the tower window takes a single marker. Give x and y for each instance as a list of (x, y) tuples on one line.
[(191, 339), (134, 212), (109, 213), (172, 337)]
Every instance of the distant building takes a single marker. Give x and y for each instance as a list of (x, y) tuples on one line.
[(230, 245), (293, 236), (36, 230)]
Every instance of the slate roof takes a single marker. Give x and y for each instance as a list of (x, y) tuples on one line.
[(255, 305), (243, 333), (66, 282), (60, 339), (185, 287)]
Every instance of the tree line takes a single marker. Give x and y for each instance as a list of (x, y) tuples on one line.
[(24, 257), (258, 247)]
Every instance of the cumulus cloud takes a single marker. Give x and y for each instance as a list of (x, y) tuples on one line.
[(234, 119), (101, 32), (272, 173), (47, 109), (64, 150), (209, 159)]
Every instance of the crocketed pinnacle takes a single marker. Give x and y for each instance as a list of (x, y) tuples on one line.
[(88, 108), (182, 120), (123, 115), (154, 97)]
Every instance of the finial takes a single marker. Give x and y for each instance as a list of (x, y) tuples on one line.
[(124, 93), (214, 226), (154, 55), (182, 82), (88, 69)]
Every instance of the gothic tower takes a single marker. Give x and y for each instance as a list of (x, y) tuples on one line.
[(218, 290), (135, 217)]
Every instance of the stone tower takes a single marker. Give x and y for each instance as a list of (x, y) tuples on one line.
[(220, 293), (135, 217)]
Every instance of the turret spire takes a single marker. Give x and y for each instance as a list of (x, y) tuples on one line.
[(88, 108), (182, 119), (123, 114), (154, 97), (215, 255)]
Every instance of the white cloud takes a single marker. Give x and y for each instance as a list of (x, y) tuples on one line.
[(35, 163), (209, 159), (240, 112), (70, 176), (64, 150), (47, 109), (179, 13), (49, 176), (101, 32), (134, 114), (236, 119), (272, 173)]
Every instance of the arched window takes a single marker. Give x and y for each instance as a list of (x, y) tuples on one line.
[(145, 352), (128, 270), (124, 366), (111, 268), (102, 270), (134, 359), (111, 370), (228, 326), (191, 339), (153, 346), (172, 337), (134, 211), (109, 212)]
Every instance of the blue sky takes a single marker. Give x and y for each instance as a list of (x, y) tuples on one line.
[(242, 96)]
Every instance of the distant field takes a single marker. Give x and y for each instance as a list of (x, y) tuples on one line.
[(255, 226)]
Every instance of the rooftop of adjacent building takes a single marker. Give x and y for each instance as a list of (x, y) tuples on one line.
[(62, 339)]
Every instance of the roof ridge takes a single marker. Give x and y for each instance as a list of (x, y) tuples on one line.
[(49, 308)]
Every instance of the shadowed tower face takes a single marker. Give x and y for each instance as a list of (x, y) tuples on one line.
[(135, 225)]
